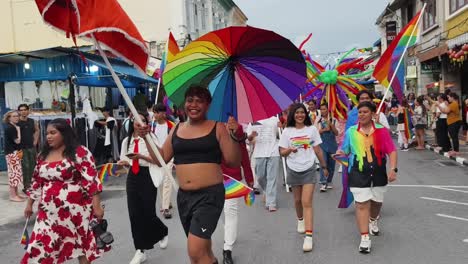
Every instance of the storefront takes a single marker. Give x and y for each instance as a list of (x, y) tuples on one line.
[(45, 84)]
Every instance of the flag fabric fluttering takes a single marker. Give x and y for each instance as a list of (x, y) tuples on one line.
[(25, 235), (249, 199), (236, 189), (169, 53), (389, 68), (110, 169), (341, 158), (408, 125), (346, 195)]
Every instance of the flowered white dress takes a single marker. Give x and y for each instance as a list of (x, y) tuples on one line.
[(64, 190)]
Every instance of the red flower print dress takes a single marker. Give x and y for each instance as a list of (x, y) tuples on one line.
[(64, 190)]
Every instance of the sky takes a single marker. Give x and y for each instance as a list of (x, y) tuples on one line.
[(336, 25)]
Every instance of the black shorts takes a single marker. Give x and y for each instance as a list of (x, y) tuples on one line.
[(199, 210), (420, 126)]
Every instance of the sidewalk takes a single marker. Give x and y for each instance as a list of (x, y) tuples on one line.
[(462, 158), (11, 211)]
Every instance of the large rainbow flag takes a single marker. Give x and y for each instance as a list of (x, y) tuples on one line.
[(169, 53), (389, 66)]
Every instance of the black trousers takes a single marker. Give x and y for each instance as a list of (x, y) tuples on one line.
[(147, 228), (442, 134), (453, 130)]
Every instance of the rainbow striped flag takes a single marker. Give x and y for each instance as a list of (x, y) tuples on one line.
[(104, 173), (346, 195), (249, 199), (389, 68), (408, 125), (236, 189), (169, 53), (25, 236), (110, 169), (341, 158)]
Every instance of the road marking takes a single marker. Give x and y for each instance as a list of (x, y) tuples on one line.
[(448, 189), (443, 201), (429, 186), (465, 240), (454, 217)]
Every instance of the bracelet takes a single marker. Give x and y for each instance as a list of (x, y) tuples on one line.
[(324, 167), (238, 140)]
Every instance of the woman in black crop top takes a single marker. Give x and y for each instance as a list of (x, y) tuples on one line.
[(198, 146)]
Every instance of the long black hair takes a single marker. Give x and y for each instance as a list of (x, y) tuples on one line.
[(70, 139), (292, 111), (130, 126)]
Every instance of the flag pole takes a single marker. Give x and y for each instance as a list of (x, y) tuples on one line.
[(161, 70), (400, 60), (137, 117), (237, 181), (283, 161)]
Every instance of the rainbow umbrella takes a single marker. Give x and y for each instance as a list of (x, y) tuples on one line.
[(251, 73)]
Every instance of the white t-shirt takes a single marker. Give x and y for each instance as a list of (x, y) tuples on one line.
[(161, 132), (442, 115), (266, 142), (304, 140)]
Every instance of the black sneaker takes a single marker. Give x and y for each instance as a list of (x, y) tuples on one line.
[(227, 257), (256, 191), (167, 214)]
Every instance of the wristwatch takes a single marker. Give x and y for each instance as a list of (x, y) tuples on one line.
[(395, 170)]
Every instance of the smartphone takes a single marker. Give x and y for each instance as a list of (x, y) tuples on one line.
[(131, 155)]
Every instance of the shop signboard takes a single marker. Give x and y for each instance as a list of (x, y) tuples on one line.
[(391, 31), (430, 67)]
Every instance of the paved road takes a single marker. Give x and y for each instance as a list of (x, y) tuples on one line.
[(424, 220)]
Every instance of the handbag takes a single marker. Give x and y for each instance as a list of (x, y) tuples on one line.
[(157, 174)]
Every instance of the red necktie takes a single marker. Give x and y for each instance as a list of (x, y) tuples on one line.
[(135, 164)]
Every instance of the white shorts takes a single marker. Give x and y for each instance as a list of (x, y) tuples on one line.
[(375, 194)]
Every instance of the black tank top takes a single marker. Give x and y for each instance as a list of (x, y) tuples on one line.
[(401, 118), (196, 150), (27, 133)]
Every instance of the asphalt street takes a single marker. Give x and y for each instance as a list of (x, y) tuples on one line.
[(424, 220)]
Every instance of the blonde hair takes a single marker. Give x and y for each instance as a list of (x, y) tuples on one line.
[(6, 117)]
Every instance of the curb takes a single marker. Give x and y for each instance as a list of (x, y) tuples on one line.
[(459, 160)]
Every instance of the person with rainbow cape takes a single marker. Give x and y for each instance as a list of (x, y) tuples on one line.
[(367, 145)]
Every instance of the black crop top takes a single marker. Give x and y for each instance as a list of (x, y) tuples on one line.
[(196, 150)]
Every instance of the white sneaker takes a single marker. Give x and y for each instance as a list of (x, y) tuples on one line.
[(139, 257), (373, 227), (308, 244), (323, 188), (163, 243), (365, 245), (300, 226), (329, 187), (340, 169)]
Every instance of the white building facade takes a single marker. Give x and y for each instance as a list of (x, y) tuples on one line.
[(22, 28)]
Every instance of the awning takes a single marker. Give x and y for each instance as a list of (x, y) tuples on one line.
[(122, 68), (432, 53), (438, 84), (459, 40)]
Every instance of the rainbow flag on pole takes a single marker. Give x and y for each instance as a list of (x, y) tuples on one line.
[(388, 70), (236, 189), (25, 236), (169, 53)]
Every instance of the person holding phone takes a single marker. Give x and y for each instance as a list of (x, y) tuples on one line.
[(67, 188), (198, 146), (147, 229)]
